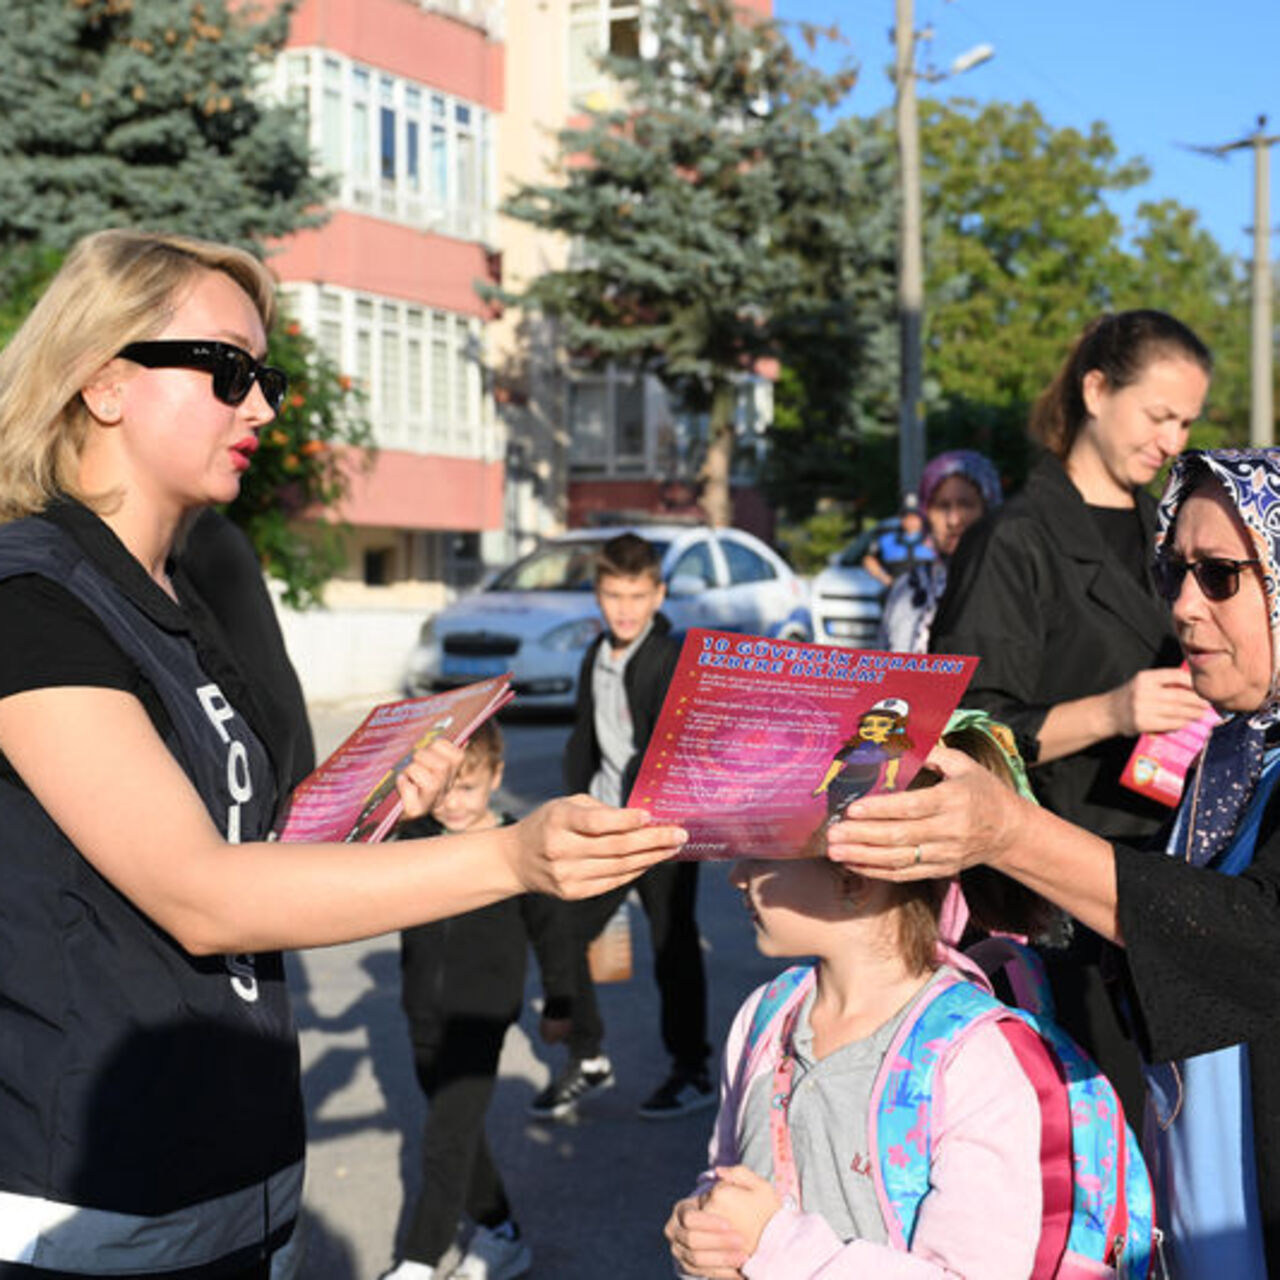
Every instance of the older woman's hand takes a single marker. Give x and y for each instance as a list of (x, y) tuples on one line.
[(577, 847), (969, 817), (1160, 700)]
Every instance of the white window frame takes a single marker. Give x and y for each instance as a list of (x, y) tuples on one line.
[(363, 333), (333, 87)]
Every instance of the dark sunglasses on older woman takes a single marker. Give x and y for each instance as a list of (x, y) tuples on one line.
[(1217, 577), (234, 369)]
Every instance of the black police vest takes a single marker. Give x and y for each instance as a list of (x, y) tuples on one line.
[(137, 1078)]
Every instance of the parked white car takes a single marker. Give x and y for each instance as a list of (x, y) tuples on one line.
[(536, 617)]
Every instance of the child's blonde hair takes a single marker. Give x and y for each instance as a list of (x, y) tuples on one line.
[(996, 903)]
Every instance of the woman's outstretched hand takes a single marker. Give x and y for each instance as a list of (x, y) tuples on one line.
[(577, 847), (969, 817)]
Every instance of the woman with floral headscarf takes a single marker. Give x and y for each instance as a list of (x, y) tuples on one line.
[(957, 489), (1200, 926)]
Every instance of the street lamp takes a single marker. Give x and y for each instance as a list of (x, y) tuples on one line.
[(911, 248)]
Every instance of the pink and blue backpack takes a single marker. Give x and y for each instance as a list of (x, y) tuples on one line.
[(1098, 1216)]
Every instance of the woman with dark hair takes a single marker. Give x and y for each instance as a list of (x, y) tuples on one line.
[(1054, 594), (1197, 917), (957, 489)]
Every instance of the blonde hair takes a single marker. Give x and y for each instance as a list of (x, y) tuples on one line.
[(115, 287)]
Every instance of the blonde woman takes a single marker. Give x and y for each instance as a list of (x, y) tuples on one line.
[(150, 1121)]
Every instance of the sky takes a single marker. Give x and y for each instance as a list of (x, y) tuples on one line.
[(1161, 74)]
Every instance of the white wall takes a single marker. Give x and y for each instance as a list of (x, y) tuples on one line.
[(347, 652)]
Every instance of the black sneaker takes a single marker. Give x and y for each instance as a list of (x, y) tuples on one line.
[(581, 1077), (680, 1093)]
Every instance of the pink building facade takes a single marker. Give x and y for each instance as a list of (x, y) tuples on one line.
[(426, 113)]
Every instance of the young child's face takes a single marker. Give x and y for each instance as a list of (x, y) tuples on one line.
[(629, 602), (785, 897), (466, 805)]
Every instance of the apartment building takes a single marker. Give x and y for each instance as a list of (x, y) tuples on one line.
[(427, 112)]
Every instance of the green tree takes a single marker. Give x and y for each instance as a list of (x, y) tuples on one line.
[(124, 113), (709, 216), (1023, 248), (1176, 265), (303, 466), (114, 112), (835, 401)]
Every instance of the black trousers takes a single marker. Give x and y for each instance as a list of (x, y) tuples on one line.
[(669, 895), (456, 1060)]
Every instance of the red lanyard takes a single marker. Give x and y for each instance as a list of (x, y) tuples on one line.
[(785, 1179)]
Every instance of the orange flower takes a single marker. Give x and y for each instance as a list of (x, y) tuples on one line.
[(278, 437), (296, 400), (312, 447), (344, 382)]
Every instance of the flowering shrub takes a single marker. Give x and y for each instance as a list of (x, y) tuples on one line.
[(302, 467)]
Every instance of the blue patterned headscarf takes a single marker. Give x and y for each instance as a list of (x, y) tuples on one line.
[(974, 466), (1232, 760)]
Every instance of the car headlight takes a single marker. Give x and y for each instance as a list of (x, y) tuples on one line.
[(427, 634), (572, 635)]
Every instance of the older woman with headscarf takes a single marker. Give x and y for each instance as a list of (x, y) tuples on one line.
[(957, 489), (1200, 926)]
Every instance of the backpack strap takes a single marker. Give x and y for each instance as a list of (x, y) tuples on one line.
[(1056, 1169), (1113, 1219), (900, 1120), (778, 996), (1021, 967)]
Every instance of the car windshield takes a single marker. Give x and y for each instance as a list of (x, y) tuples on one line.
[(558, 566), (854, 554)]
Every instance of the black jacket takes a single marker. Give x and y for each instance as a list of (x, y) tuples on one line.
[(646, 678), (223, 569), (1039, 596), (1203, 951), (473, 964)]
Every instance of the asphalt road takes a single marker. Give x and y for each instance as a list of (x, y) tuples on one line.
[(591, 1196)]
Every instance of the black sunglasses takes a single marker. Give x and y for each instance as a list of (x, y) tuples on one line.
[(234, 369), (1217, 577)]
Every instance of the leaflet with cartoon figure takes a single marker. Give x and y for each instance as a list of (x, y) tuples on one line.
[(352, 796), (761, 743)]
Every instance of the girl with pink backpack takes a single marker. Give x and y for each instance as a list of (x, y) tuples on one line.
[(884, 1114)]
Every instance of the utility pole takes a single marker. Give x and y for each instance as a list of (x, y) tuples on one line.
[(910, 255), (1261, 410), (911, 247)]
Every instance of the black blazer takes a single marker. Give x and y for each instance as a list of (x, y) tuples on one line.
[(1039, 596)]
